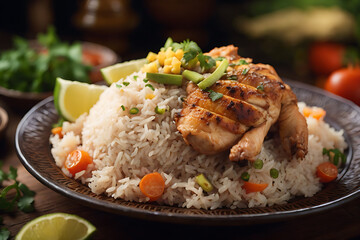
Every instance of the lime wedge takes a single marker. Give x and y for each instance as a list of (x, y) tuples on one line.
[(73, 98), (56, 226), (121, 70)]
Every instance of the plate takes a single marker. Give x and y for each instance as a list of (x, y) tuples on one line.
[(33, 149)]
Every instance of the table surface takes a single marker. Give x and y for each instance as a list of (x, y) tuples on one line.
[(337, 223)]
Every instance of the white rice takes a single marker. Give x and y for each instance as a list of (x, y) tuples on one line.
[(125, 147)]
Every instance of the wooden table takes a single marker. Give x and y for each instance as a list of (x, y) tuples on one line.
[(338, 223)]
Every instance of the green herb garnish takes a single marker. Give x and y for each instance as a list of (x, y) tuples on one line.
[(219, 58), (150, 86), (335, 155), (245, 176), (28, 70), (23, 199), (126, 83), (123, 107), (215, 95), (134, 110), (145, 80), (206, 62), (232, 77), (260, 87), (118, 85), (135, 77), (240, 62), (245, 71), (161, 110)]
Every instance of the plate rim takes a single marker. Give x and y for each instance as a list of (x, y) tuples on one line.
[(143, 213)]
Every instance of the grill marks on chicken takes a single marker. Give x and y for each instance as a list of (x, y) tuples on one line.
[(241, 119)]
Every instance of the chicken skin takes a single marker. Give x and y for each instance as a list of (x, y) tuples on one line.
[(253, 100)]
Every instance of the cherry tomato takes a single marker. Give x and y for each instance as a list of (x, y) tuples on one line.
[(345, 82), (324, 58), (327, 172)]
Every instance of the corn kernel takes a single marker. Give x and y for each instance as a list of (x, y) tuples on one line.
[(179, 54), (169, 53), (151, 67), (149, 96), (151, 57), (167, 69), (175, 61), (175, 70), (167, 61), (161, 58)]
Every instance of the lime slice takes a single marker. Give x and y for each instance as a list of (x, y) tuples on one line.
[(121, 70), (56, 226), (73, 98)]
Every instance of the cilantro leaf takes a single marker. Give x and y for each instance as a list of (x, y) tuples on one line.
[(13, 173), (215, 95), (4, 233), (25, 204), (206, 62)]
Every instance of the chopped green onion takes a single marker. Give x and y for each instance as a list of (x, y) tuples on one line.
[(335, 155), (240, 62), (161, 110), (134, 110), (245, 71), (216, 75), (260, 87), (126, 83), (145, 80), (150, 86), (118, 85), (135, 77), (274, 173), (245, 176), (232, 77), (164, 78), (193, 76), (220, 58), (204, 183), (215, 95), (258, 164), (123, 107)]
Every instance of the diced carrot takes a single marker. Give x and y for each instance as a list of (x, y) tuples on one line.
[(152, 185), (77, 161), (316, 112), (327, 172), (58, 131), (254, 187)]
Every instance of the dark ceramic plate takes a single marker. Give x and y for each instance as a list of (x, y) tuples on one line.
[(32, 144)]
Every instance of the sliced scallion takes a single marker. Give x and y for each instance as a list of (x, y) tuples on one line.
[(204, 183), (118, 85), (123, 107), (245, 71), (216, 75), (126, 83), (164, 78), (134, 110), (245, 176), (145, 80), (260, 87), (232, 77), (150, 86), (161, 110), (135, 77), (215, 95), (193, 76)]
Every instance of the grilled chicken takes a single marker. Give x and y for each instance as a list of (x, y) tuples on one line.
[(254, 100)]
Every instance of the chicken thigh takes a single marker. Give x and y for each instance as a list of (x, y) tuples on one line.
[(253, 100)]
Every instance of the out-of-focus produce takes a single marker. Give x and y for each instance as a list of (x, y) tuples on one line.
[(345, 82)]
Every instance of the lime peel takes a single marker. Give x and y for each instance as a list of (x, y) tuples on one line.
[(57, 226), (118, 71), (72, 98)]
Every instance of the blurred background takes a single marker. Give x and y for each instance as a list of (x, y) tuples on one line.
[(304, 40)]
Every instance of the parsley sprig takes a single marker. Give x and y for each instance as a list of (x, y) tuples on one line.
[(24, 197)]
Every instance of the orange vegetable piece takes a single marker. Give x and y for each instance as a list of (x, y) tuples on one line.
[(254, 187), (77, 161), (327, 172), (58, 131), (152, 185), (316, 113)]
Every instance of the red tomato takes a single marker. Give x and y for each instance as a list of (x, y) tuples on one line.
[(327, 172), (324, 58), (91, 58), (345, 82)]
